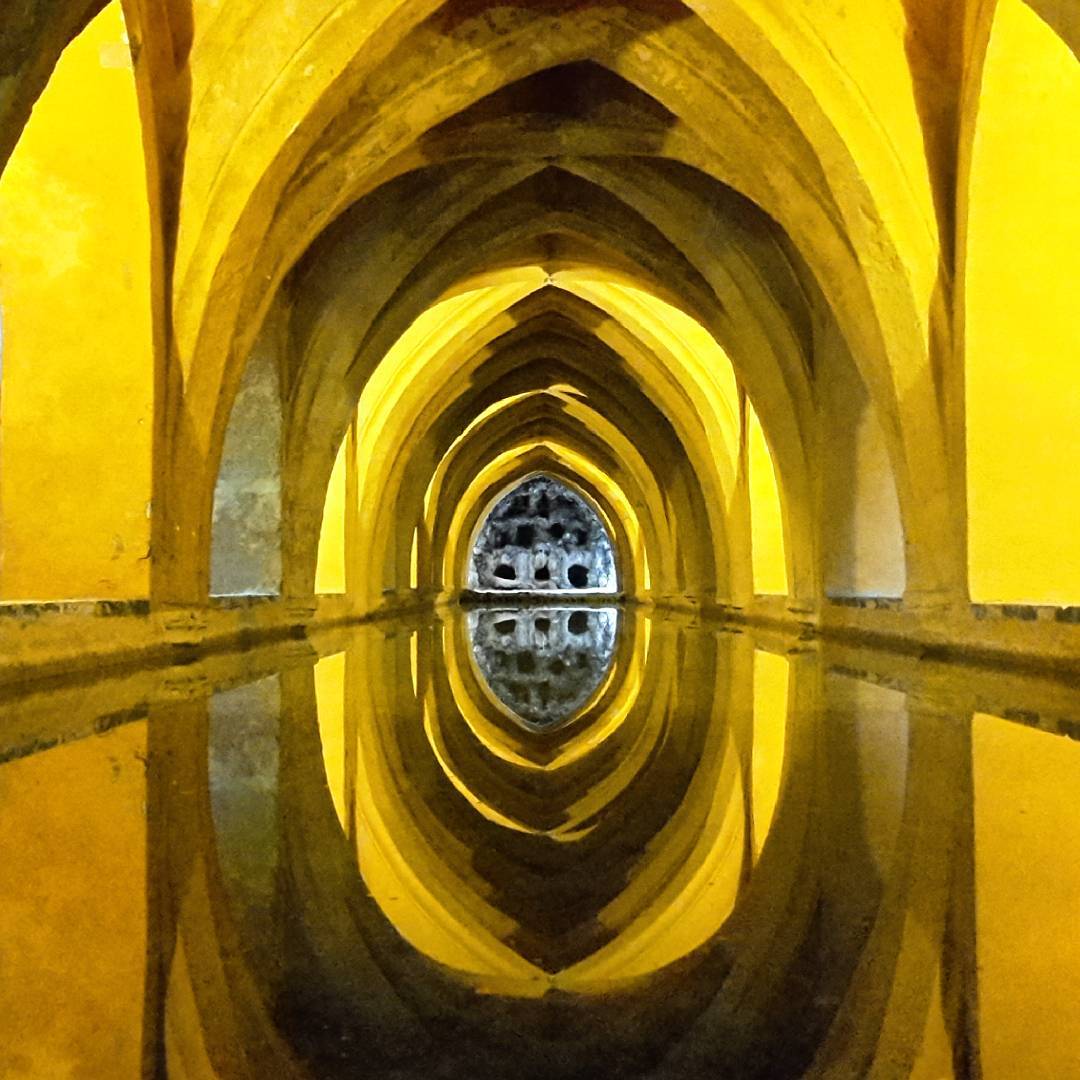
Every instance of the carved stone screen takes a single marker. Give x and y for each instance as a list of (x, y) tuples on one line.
[(543, 536)]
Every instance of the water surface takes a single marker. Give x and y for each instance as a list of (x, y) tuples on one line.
[(542, 843)]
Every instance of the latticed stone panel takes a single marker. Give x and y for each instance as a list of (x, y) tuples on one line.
[(543, 536)]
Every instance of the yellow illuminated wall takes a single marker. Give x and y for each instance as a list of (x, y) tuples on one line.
[(771, 674), (934, 1060), (767, 526), (76, 392), (330, 570), (330, 698), (73, 833), (1027, 878), (1023, 330)]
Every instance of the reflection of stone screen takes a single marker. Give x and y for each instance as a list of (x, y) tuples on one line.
[(543, 663), (542, 536)]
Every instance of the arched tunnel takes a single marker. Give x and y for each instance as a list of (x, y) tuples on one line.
[(539, 538)]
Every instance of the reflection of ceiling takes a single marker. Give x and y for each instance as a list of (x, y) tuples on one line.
[(543, 663), (650, 901), (528, 863)]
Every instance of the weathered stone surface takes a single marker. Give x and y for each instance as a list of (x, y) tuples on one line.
[(543, 536), (246, 546)]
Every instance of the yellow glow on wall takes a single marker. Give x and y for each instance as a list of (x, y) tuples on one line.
[(935, 1059), (78, 370), (766, 519), (1023, 334), (330, 700), (1027, 878), (771, 674), (700, 364), (74, 818), (330, 569)]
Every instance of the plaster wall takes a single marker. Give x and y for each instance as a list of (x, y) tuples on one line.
[(77, 384), (766, 516), (74, 818), (1023, 335)]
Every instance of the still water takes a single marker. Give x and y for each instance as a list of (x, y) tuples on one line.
[(558, 843)]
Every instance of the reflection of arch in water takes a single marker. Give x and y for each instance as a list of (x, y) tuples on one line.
[(648, 819), (543, 664), (754, 993), (614, 723)]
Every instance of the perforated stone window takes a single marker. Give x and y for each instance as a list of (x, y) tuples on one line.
[(543, 536)]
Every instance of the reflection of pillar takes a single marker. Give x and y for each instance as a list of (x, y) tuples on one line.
[(243, 759), (337, 999), (205, 1006), (740, 718), (959, 972), (169, 853), (851, 832), (762, 996), (884, 1007), (352, 513)]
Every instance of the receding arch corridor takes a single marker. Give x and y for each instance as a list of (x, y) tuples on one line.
[(539, 537)]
